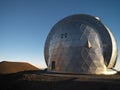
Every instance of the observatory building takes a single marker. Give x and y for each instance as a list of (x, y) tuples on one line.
[(80, 44)]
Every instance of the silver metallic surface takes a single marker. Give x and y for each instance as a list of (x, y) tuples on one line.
[(80, 44)]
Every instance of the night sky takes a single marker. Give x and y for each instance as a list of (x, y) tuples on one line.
[(25, 24)]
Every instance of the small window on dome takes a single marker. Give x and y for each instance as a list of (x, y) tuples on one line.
[(65, 35)]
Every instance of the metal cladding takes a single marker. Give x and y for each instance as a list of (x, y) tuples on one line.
[(80, 44)]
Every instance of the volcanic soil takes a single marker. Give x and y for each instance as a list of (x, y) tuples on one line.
[(42, 80)]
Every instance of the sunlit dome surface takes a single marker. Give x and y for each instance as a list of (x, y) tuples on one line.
[(80, 44)]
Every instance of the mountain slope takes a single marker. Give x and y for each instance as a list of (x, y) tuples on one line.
[(13, 67)]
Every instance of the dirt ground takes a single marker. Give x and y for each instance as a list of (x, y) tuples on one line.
[(40, 80)]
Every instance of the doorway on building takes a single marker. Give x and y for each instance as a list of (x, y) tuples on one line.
[(53, 65)]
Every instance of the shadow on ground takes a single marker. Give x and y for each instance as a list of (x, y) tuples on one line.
[(41, 80)]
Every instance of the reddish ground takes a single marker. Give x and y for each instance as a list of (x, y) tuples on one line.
[(14, 67)]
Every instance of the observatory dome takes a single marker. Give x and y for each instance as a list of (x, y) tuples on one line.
[(80, 44)]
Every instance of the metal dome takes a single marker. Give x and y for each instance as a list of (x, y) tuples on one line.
[(80, 44)]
